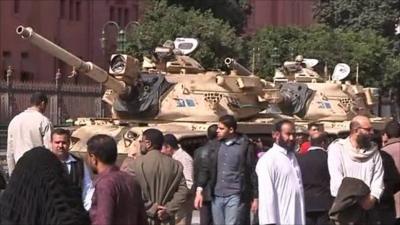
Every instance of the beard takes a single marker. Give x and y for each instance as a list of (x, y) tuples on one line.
[(288, 145), (143, 150), (364, 141)]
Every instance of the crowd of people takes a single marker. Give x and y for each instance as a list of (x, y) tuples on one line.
[(300, 178)]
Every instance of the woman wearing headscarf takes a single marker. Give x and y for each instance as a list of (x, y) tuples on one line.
[(40, 193)]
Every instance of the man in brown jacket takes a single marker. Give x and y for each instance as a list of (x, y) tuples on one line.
[(161, 178), (392, 147)]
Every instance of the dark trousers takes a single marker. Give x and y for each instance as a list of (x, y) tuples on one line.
[(206, 214), (317, 218), (381, 216)]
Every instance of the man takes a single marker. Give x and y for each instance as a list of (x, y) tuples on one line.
[(357, 157), (117, 196), (171, 148), (315, 177), (161, 178), (312, 128), (28, 129), (281, 199), (392, 147), (231, 176), (200, 159), (78, 172)]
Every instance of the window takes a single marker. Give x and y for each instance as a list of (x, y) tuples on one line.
[(24, 55), (62, 9), (78, 10), (6, 62), (6, 54), (126, 16), (119, 16), (26, 76), (112, 16), (135, 13), (71, 9), (16, 6)]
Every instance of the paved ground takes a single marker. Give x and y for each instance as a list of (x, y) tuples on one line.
[(195, 217)]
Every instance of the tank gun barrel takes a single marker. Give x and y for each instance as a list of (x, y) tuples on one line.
[(90, 69), (232, 64)]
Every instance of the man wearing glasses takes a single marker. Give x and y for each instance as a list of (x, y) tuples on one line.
[(357, 157)]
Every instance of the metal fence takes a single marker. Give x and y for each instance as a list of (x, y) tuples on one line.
[(65, 101)]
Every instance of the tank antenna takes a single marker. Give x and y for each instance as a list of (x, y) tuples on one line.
[(357, 73), (326, 70), (253, 61)]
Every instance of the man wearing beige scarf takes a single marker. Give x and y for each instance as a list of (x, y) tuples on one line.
[(358, 157)]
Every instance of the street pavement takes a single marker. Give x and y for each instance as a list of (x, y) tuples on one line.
[(195, 217)]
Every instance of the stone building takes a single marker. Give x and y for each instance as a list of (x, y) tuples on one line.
[(75, 25)]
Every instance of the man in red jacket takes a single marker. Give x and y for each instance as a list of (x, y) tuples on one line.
[(313, 128)]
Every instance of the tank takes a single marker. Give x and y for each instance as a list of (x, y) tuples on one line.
[(310, 97), (172, 92)]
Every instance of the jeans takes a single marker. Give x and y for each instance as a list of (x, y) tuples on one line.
[(230, 211)]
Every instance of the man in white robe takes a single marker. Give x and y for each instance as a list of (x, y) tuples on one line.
[(281, 197), (358, 157)]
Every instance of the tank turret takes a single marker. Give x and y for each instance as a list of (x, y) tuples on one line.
[(311, 97)]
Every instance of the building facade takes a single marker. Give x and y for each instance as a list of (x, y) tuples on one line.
[(279, 13), (75, 25)]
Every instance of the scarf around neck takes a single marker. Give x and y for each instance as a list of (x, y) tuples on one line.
[(358, 154)]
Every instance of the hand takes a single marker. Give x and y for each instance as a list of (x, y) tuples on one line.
[(254, 206), (198, 200), (367, 202), (162, 213)]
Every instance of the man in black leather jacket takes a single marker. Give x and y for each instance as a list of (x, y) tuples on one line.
[(230, 173)]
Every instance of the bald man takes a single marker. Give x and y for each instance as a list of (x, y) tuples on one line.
[(358, 157)]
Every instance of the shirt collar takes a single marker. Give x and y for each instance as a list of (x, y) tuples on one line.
[(32, 109), (70, 159), (179, 150), (105, 173), (236, 140), (392, 141), (316, 148), (280, 149)]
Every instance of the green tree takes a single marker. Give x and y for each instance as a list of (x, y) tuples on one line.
[(392, 75), (359, 15), (377, 64), (217, 40), (232, 11)]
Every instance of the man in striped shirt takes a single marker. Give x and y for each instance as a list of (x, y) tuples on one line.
[(171, 148)]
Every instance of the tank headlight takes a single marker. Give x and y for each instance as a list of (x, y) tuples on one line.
[(117, 64)]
